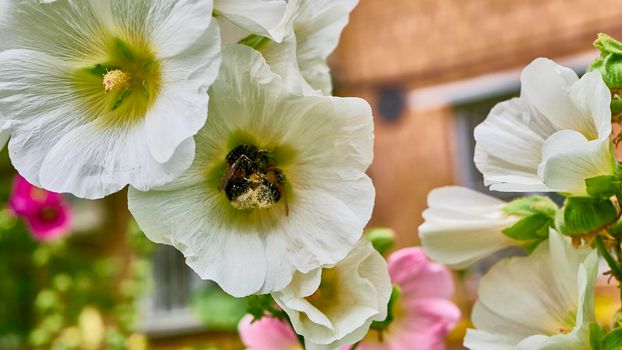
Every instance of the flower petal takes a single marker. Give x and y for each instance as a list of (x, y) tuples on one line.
[(569, 159), (267, 334), (264, 17), (172, 25), (77, 163), (417, 277), (181, 109), (545, 85)]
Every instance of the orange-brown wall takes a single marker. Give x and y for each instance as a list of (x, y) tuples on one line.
[(420, 43)]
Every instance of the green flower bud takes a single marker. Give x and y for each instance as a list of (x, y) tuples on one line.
[(583, 215), (610, 61), (381, 238)]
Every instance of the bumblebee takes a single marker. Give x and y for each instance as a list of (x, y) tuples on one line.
[(252, 180)]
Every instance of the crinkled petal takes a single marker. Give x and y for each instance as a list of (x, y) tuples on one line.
[(544, 295), (172, 35), (569, 159), (509, 145), (270, 18), (92, 162), (181, 110), (318, 28), (591, 95), (545, 85)]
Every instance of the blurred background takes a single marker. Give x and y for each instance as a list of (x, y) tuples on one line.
[(431, 69)]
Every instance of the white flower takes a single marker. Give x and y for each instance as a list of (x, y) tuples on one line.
[(269, 18), (463, 226), (291, 170), (317, 28), (335, 306), (106, 93), (302, 55), (543, 301), (551, 138)]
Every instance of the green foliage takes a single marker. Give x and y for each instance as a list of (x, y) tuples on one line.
[(613, 340), (526, 206), (537, 216), (218, 310), (532, 227), (610, 61), (260, 305), (255, 41), (381, 238), (603, 186), (596, 336), (582, 215)]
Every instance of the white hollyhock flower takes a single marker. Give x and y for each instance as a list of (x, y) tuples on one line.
[(317, 29), (551, 138), (106, 93), (543, 301), (278, 183), (269, 18), (463, 226), (335, 306)]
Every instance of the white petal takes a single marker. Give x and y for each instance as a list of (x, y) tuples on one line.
[(363, 290), (542, 291), (509, 145), (282, 60), (569, 159), (318, 28), (463, 226), (181, 108), (592, 96), (182, 26), (476, 339), (270, 18), (92, 162), (545, 85)]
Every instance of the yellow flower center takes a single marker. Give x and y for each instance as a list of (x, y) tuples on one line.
[(115, 79), (131, 76)]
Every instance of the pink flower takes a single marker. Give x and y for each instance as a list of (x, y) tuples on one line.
[(46, 213), (267, 334), (423, 314)]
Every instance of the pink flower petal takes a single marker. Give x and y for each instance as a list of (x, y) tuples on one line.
[(267, 334), (51, 221), (418, 277)]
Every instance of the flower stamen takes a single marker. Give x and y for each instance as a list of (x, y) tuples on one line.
[(115, 79)]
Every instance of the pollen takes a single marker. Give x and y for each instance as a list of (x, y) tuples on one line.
[(115, 79)]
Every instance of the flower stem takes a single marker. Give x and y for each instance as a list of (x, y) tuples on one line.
[(613, 264)]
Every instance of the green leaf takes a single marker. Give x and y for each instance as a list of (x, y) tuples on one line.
[(526, 206), (596, 336), (610, 61), (218, 310), (257, 42), (532, 227), (603, 186), (581, 215), (381, 238), (259, 305), (613, 340)]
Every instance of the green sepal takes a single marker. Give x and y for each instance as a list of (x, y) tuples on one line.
[(603, 186), (613, 340), (609, 64), (260, 305), (381, 325), (255, 41), (582, 215), (597, 333), (616, 104), (526, 206), (532, 227), (381, 238), (615, 229)]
